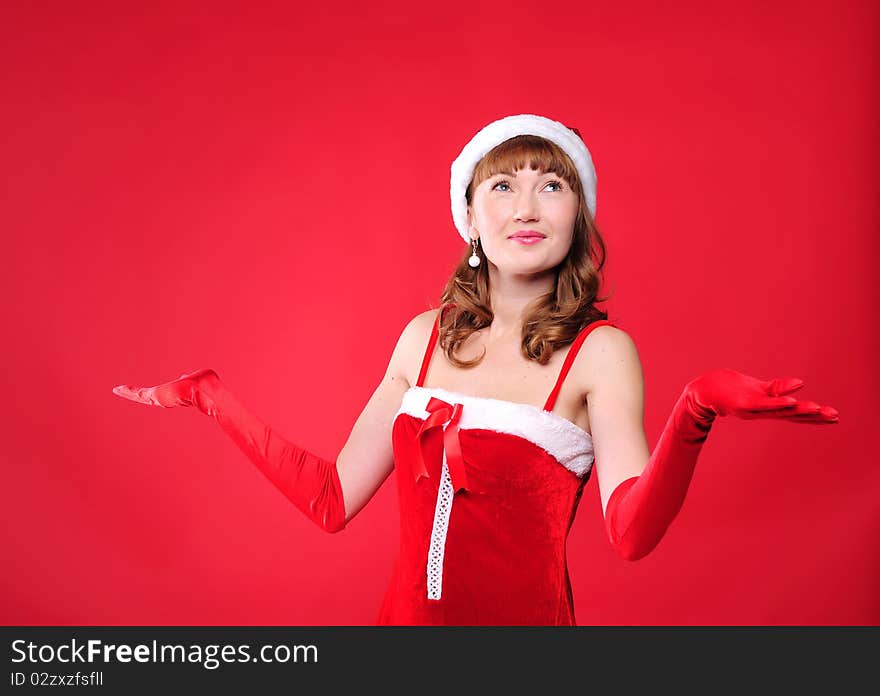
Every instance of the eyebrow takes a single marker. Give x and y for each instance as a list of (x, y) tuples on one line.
[(514, 175)]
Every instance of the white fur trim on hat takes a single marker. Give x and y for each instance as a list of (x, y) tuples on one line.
[(496, 133)]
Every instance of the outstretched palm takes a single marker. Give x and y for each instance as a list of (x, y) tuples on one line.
[(186, 390), (726, 392)]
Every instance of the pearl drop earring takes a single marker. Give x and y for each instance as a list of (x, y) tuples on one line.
[(474, 260)]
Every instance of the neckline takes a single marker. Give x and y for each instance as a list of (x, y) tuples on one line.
[(564, 422)]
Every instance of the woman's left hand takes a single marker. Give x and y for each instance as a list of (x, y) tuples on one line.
[(726, 392)]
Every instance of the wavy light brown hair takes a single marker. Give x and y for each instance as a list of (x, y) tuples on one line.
[(554, 319)]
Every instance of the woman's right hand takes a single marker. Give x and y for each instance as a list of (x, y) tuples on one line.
[(187, 390)]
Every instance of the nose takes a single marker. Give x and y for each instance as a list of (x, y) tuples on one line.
[(526, 207)]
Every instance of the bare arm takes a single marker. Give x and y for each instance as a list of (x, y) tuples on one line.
[(367, 458), (617, 409), (641, 493), (329, 492)]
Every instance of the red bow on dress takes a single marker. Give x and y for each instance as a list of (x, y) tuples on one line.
[(441, 412)]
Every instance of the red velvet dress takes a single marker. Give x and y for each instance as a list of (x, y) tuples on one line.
[(488, 491)]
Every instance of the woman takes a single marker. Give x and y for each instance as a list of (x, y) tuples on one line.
[(531, 387)]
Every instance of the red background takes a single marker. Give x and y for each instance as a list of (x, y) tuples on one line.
[(264, 190)]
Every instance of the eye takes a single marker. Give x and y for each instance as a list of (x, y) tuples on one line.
[(558, 184)]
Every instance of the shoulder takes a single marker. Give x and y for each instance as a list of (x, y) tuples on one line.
[(418, 329), (608, 353), (411, 345), (608, 342)]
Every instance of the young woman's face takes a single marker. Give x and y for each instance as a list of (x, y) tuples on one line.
[(525, 200)]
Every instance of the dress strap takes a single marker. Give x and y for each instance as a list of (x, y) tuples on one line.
[(435, 332), (569, 359)]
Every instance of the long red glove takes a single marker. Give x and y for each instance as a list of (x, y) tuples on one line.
[(311, 483), (641, 508)]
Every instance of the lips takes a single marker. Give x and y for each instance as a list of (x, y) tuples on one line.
[(527, 234)]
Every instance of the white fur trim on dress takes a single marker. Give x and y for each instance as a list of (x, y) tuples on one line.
[(570, 445), (497, 132)]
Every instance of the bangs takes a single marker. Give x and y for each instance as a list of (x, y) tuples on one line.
[(521, 152)]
